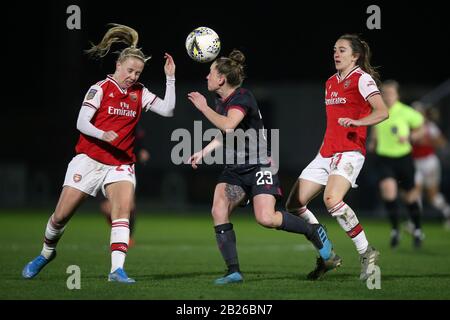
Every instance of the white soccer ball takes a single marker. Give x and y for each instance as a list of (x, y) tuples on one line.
[(203, 44)]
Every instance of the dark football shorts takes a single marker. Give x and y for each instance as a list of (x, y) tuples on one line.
[(402, 169), (254, 180)]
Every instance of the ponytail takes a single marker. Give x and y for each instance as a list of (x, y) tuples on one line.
[(118, 34)]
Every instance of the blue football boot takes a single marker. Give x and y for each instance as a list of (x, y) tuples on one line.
[(235, 277), (328, 260), (320, 240), (119, 275), (36, 265)]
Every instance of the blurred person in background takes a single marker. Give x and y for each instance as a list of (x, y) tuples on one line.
[(391, 141), (427, 163)]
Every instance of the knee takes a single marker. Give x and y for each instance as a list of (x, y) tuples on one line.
[(412, 196), (219, 213), (303, 200), (388, 189), (267, 218), (331, 199)]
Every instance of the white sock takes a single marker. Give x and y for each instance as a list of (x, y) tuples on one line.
[(307, 215), (442, 205), (53, 232), (120, 236), (347, 219)]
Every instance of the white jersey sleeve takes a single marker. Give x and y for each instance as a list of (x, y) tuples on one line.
[(84, 124), (367, 86), (163, 107), (148, 99), (90, 105), (433, 129), (93, 97)]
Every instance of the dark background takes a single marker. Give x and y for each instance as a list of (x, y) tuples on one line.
[(289, 56)]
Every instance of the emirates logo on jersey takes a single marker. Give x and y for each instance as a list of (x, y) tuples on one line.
[(335, 99), (123, 111), (77, 177)]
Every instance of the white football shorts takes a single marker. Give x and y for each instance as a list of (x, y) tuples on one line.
[(89, 175), (428, 171), (346, 164)]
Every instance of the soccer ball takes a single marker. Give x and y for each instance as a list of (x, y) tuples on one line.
[(203, 44)]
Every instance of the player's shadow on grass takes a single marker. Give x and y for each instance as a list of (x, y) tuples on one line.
[(249, 276), (167, 276)]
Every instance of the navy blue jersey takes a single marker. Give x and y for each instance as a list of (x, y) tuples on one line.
[(247, 145)]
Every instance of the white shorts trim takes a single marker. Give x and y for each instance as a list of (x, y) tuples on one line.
[(89, 175), (346, 164)]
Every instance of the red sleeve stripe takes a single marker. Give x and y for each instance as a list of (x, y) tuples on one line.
[(237, 107), (87, 104), (355, 231), (372, 94)]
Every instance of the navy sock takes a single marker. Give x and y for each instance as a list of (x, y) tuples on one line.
[(414, 213), (295, 224), (226, 241), (393, 209)]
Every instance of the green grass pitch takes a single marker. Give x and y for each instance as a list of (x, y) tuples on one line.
[(175, 257)]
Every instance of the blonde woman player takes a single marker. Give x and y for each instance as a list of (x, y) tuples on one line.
[(105, 159)]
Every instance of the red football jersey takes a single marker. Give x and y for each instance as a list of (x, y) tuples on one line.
[(347, 98), (118, 110), (424, 147)]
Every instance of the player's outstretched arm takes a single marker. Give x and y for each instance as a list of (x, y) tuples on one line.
[(165, 107)]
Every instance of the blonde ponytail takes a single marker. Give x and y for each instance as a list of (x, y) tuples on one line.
[(118, 34)]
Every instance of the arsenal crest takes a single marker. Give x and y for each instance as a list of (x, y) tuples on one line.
[(77, 177), (347, 84), (133, 96)]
